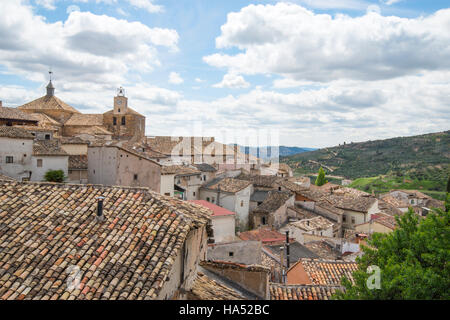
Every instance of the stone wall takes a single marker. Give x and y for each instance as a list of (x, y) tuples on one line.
[(245, 252)]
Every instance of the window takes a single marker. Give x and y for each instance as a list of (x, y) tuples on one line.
[(193, 193), (213, 200), (114, 121), (263, 220), (353, 220), (24, 155), (47, 137), (39, 163), (344, 218), (204, 177), (167, 194), (279, 188), (242, 203), (123, 121), (70, 171), (135, 176), (207, 199), (230, 254), (119, 110), (9, 159)]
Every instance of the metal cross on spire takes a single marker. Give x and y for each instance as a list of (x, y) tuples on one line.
[(50, 72)]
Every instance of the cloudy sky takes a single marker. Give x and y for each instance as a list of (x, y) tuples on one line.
[(315, 73)]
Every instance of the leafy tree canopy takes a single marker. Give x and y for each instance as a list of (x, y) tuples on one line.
[(413, 260), (54, 176)]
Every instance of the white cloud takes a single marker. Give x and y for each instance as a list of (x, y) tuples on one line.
[(390, 2), (232, 81), (84, 48), (72, 8), (47, 4), (147, 5), (289, 40), (336, 4), (199, 80), (175, 78)]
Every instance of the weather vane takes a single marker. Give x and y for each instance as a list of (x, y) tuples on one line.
[(50, 72)]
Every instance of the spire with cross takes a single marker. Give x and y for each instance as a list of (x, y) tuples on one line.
[(50, 87)]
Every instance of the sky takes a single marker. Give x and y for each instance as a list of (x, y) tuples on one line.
[(307, 73)]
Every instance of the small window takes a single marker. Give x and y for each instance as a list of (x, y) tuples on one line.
[(114, 121), (213, 200), (24, 155), (204, 177), (123, 121), (353, 220), (193, 193), (9, 159), (242, 203), (230, 254), (263, 220), (167, 194), (39, 163), (207, 199), (279, 188), (94, 171), (344, 218), (47, 137), (119, 109), (135, 176)]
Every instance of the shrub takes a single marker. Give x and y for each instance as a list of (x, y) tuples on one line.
[(54, 176)]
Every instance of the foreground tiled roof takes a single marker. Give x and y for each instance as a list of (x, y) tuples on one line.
[(313, 224), (227, 185), (207, 289), (48, 148), (15, 133), (78, 162), (5, 177), (274, 200), (47, 230), (328, 272), (302, 292), (15, 114), (48, 103)]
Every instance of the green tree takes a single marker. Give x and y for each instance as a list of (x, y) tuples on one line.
[(321, 178), (54, 176), (413, 260)]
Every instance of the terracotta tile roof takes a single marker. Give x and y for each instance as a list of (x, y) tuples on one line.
[(82, 119), (302, 292), (284, 167), (265, 235), (302, 213), (297, 251), (167, 145), (129, 111), (204, 167), (15, 133), (313, 193), (45, 120), (233, 265), (207, 289), (313, 224), (78, 162), (48, 103), (275, 199), (217, 211), (94, 130), (388, 208), (15, 114), (433, 203), (5, 177), (350, 192), (387, 198), (292, 186), (46, 229), (179, 170), (323, 249), (360, 204), (413, 193), (73, 140), (328, 272), (48, 148), (231, 185), (260, 180)]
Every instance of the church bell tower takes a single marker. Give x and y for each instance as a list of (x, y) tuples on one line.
[(120, 102)]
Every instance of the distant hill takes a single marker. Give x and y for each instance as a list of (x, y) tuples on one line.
[(281, 151), (422, 158)]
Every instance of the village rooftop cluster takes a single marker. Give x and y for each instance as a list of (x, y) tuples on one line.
[(155, 217)]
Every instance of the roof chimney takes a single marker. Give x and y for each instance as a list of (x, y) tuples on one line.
[(100, 217)]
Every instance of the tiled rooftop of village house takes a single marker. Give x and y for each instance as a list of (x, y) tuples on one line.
[(83, 119), (46, 228), (179, 170), (313, 224), (328, 272), (48, 148), (259, 181), (205, 167), (291, 186), (360, 204), (49, 103), (5, 177), (72, 140), (205, 288), (265, 235), (15, 133), (302, 292), (231, 185), (388, 208), (15, 114), (323, 250), (274, 200), (78, 162), (217, 211)]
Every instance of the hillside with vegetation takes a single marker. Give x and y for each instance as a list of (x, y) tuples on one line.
[(419, 162)]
